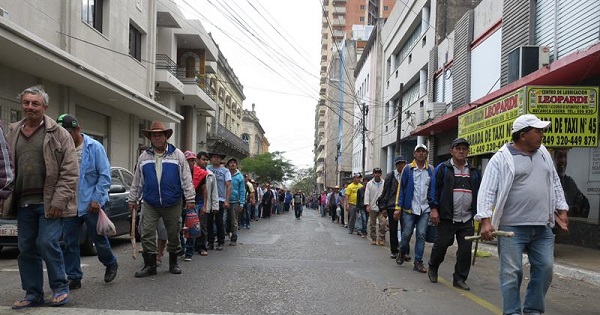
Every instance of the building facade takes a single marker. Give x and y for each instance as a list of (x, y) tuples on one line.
[(253, 133)]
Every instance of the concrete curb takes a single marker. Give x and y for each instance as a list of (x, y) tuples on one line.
[(560, 270)]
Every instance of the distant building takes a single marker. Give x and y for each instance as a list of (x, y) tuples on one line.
[(253, 133)]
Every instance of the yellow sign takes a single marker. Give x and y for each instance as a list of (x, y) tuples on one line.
[(573, 112), (488, 127)]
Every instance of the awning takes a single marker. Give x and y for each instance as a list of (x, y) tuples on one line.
[(571, 69)]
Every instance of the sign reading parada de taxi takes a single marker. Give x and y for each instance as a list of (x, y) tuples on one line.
[(573, 111)]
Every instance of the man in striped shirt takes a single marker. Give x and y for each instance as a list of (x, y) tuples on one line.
[(452, 200)]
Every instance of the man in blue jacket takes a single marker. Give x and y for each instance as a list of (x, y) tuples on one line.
[(414, 207), (237, 198), (162, 178), (92, 194)]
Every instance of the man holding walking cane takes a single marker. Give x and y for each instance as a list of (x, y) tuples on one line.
[(522, 186)]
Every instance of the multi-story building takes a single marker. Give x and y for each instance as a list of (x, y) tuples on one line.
[(253, 133), (225, 129), (337, 25), (117, 65)]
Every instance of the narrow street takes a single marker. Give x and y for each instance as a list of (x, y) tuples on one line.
[(288, 266)]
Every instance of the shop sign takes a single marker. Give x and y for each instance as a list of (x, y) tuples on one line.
[(488, 127), (573, 112)]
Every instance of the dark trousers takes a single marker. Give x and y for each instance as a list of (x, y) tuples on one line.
[(202, 239), (446, 230), (332, 212), (266, 210), (216, 218), (393, 225), (298, 210), (286, 207)]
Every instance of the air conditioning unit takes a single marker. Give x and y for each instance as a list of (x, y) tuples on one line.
[(524, 60)]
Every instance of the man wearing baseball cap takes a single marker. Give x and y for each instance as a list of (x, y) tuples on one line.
[(387, 201), (452, 202), (522, 186)]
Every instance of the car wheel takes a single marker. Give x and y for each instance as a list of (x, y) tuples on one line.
[(86, 244)]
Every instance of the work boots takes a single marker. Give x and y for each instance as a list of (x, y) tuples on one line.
[(149, 266), (173, 267)]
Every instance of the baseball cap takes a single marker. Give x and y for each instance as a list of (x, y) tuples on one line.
[(399, 159), (189, 154), (459, 141), (232, 159), (377, 170), (529, 120), (421, 146), (67, 121), (356, 175)]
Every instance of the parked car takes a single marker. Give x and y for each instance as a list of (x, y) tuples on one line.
[(116, 209)]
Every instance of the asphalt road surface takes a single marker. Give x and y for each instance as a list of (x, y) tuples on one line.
[(288, 266)]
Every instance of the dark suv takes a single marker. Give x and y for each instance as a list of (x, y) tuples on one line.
[(116, 209)]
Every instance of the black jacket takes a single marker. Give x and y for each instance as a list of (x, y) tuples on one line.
[(441, 194), (387, 200)]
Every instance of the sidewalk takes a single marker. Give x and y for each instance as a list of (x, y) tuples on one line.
[(574, 262)]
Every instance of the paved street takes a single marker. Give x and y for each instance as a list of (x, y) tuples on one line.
[(288, 266)]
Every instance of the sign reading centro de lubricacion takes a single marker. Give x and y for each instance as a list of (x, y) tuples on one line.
[(573, 112)]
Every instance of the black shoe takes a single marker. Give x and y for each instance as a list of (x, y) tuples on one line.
[(173, 266), (149, 266), (407, 258), (400, 259), (211, 246), (219, 247), (461, 285), (433, 275), (74, 284), (111, 272), (393, 255)]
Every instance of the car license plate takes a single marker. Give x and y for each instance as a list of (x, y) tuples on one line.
[(8, 230)]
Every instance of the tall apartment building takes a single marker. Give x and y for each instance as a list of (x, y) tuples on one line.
[(339, 16)]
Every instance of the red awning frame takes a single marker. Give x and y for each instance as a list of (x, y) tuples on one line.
[(571, 69)]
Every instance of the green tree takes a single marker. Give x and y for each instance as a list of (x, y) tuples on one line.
[(305, 180), (270, 166)]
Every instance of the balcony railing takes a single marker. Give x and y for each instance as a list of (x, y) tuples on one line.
[(223, 135), (163, 62), (201, 80)]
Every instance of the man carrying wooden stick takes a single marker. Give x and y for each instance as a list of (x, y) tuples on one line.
[(522, 186)]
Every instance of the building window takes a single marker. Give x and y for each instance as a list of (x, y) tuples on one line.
[(362, 7), (246, 137), (91, 13), (385, 8), (135, 43), (362, 18)]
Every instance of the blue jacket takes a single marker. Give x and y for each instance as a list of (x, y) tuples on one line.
[(288, 197), (407, 185), (94, 175), (238, 189), (175, 181)]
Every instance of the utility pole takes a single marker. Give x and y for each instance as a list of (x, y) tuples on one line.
[(365, 110), (399, 120)]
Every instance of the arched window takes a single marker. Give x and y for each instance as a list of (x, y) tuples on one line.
[(246, 137)]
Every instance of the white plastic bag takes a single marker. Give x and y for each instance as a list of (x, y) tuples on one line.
[(105, 226), (338, 211)]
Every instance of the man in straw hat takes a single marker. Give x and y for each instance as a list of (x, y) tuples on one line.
[(162, 178)]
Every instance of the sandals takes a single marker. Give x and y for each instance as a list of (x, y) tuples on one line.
[(57, 301), (28, 301)]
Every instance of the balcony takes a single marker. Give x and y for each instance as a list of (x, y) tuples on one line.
[(196, 92), (339, 11), (166, 75), (338, 34), (339, 21), (221, 139)]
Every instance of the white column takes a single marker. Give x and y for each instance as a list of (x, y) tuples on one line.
[(424, 19)]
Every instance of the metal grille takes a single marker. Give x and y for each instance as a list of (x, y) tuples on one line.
[(10, 110), (461, 70)]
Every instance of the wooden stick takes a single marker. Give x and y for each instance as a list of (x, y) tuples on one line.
[(495, 233), (476, 245), (132, 234)]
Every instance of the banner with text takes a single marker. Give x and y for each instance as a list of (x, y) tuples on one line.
[(488, 127), (573, 112)]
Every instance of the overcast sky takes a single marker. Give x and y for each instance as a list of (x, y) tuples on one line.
[(273, 47)]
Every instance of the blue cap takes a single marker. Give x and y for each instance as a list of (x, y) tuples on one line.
[(399, 159)]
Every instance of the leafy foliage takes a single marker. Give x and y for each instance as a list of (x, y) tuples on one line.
[(305, 180), (270, 166)]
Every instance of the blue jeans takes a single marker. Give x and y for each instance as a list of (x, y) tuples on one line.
[(189, 243), (38, 239), (361, 220), (409, 221), (246, 218), (538, 243), (71, 231)]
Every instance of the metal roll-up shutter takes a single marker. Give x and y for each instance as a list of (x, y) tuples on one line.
[(578, 22), (93, 123), (448, 88), (439, 88), (544, 24)]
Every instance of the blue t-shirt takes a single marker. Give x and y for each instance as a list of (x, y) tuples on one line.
[(222, 175)]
